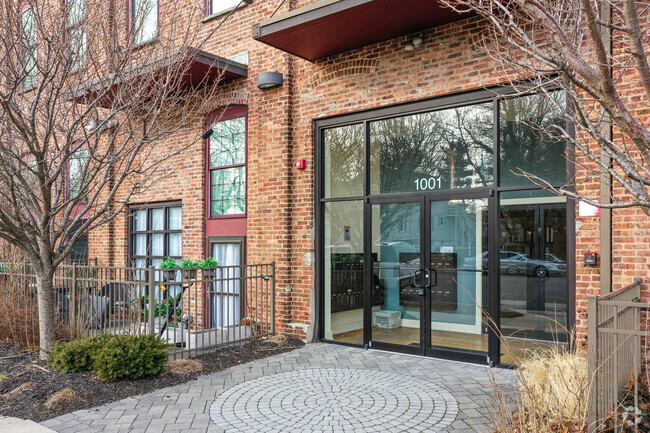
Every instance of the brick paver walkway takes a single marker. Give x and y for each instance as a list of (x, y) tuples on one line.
[(320, 387)]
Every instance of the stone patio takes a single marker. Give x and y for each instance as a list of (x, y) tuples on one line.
[(318, 388)]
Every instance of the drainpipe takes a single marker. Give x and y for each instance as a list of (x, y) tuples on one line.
[(605, 177)]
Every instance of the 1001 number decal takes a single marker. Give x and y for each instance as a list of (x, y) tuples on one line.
[(428, 183)]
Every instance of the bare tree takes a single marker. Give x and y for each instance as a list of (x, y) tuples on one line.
[(88, 94), (595, 52)]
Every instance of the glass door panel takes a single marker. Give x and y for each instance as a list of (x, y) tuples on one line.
[(458, 251), (395, 249)]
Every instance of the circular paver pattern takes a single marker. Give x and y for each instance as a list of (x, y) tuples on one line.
[(334, 399)]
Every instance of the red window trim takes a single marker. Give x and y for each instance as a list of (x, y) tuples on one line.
[(129, 23), (220, 115)]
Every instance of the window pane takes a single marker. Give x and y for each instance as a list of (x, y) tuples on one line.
[(175, 245), (175, 218), (77, 46), (344, 161), (429, 151), (533, 269), (228, 191), (29, 47), (228, 143), (157, 244), (157, 219), (140, 245), (145, 19), (220, 5), (529, 139), (78, 162), (76, 11), (140, 220), (343, 271)]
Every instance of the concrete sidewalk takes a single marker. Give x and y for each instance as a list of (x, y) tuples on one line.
[(320, 387), (15, 425)]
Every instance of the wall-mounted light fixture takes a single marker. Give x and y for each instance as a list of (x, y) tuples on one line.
[(415, 44), (207, 134), (268, 80)]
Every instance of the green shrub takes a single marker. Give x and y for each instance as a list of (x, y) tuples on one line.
[(76, 355), (124, 357)]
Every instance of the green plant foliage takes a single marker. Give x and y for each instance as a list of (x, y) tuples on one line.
[(169, 264), (161, 307), (209, 262), (126, 357), (76, 355), (187, 263)]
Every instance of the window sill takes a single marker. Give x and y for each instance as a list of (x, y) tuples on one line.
[(225, 11), (220, 217), (144, 44)]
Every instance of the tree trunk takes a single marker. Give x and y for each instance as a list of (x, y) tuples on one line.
[(45, 283)]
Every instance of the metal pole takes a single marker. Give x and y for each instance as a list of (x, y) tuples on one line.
[(272, 294), (151, 287), (592, 359)]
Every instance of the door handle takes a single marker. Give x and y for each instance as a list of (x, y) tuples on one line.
[(418, 280), (435, 278)]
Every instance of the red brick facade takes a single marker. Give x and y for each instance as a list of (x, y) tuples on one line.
[(280, 197)]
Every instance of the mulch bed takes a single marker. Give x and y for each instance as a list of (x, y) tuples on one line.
[(27, 383)]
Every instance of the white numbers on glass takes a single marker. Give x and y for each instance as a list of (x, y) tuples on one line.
[(428, 183)]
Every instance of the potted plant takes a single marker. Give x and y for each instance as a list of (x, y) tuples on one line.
[(189, 269), (169, 268), (207, 266)]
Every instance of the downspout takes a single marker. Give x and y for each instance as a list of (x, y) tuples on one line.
[(605, 177)]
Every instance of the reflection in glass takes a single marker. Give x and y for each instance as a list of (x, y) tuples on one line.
[(458, 245), (343, 271), (438, 150), (344, 161), (396, 256), (228, 191), (530, 139), (533, 269)]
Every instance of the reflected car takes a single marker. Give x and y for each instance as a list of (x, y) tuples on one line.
[(470, 262), (522, 264), (514, 263)]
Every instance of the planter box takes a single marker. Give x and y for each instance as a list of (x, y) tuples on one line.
[(189, 274)]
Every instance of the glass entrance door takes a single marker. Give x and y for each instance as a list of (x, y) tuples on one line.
[(457, 245), (428, 291), (396, 250)]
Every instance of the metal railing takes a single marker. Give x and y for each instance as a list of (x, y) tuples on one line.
[(614, 350), (193, 310)]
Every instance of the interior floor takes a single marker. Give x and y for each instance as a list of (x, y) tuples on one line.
[(512, 352)]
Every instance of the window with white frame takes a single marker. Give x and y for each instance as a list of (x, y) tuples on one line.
[(76, 32), (156, 234), (227, 165), (29, 48), (217, 6), (144, 20)]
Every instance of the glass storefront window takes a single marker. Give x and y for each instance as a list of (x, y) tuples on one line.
[(443, 149), (533, 269), (530, 143), (343, 271), (344, 161)]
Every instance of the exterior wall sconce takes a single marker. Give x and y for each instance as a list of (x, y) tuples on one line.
[(268, 80), (415, 44), (207, 134)]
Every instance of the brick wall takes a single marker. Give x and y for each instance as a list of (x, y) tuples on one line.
[(280, 197)]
